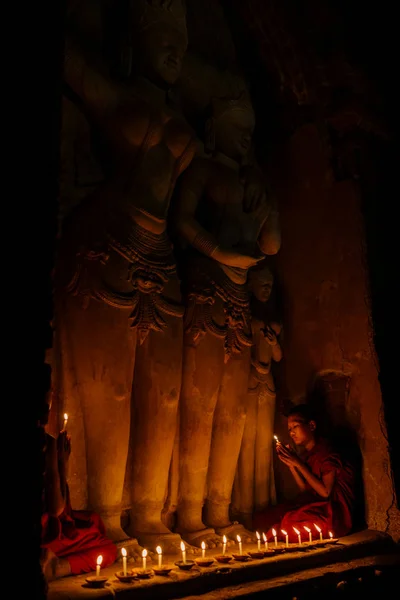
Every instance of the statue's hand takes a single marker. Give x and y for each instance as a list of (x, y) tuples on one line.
[(231, 258), (254, 194)]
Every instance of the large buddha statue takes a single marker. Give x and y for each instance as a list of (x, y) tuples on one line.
[(119, 311), (225, 235), (254, 488)]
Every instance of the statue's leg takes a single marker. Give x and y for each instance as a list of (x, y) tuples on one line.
[(229, 422), (100, 347), (246, 462), (264, 488), (202, 372), (155, 396)]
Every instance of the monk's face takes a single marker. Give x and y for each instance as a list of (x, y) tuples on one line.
[(300, 431)]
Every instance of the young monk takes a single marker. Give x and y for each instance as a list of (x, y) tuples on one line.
[(325, 482), (71, 540)]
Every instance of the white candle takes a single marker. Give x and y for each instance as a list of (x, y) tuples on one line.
[(309, 534), (159, 552), (123, 552), (275, 538), (183, 548), (144, 560), (287, 537), (276, 439), (258, 541), (65, 421), (203, 550), (98, 563), (330, 535), (224, 544), (265, 541), (319, 531), (239, 539), (298, 534)]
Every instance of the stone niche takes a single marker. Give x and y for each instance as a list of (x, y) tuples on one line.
[(320, 269)]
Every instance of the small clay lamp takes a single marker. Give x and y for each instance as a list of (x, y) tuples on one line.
[(184, 565), (97, 581), (160, 569)]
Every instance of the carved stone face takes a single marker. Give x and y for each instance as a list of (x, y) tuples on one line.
[(161, 50), (260, 284), (233, 133)]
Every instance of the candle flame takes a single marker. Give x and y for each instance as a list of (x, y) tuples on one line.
[(274, 532), (99, 560), (276, 438), (284, 532), (203, 545), (239, 539), (65, 417), (224, 539), (183, 547), (331, 534), (296, 530), (307, 529), (264, 537), (158, 550), (123, 551), (144, 553), (257, 535), (317, 528)]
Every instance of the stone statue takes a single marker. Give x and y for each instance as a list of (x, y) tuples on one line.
[(254, 488), (119, 310), (227, 232)]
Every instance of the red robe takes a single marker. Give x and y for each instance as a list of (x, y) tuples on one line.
[(333, 514), (79, 537)]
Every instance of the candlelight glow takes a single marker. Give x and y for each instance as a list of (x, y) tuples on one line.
[(296, 531), (239, 539), (224, 539), (144, 553), (306, 528), (276, 438), (183, 547), (257, 535), (123, 551), (317, 528), (274, 532), (264, 537), (158, 550), (331, 534), (284, 532), (99, 560), (65, 417), (203, 545)]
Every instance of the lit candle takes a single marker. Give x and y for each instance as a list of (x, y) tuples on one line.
[(144, 560), (276, 439), (330, 535), (203, 550), (159, 552), (98, 563), (65, 421), (309, 534), (275, 538), (298, 534), (239, 539), (258, 541), (319, 531), (123, 552), (224, 544), (183, 548), (286, 536), (265, 541)]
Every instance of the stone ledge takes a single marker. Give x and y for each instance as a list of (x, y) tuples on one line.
[(185, 584)]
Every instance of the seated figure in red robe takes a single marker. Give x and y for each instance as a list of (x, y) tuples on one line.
[(326, 484), (71, 540)]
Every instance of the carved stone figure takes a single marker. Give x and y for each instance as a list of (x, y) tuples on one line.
[(254, 484), (227, 233), (119, 311)]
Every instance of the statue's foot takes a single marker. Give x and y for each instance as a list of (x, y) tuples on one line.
[(235, 529), (113, 528), (206, 535), (169, 542), (54, 567), (133, 550)]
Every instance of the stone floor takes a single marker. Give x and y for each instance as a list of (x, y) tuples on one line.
[(369, 553)]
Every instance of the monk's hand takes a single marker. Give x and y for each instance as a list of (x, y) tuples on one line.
[(63, 447), (287, 456)]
